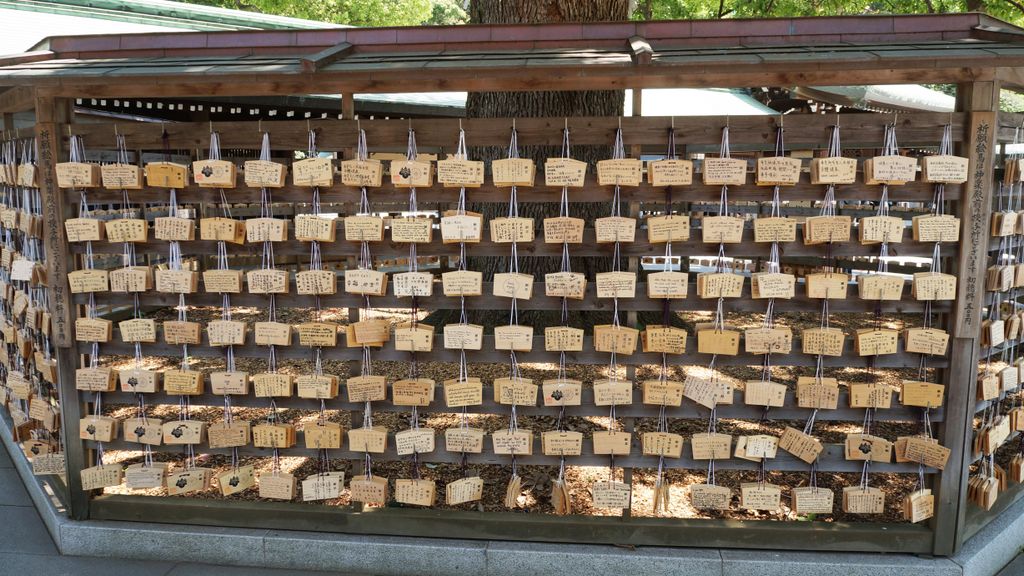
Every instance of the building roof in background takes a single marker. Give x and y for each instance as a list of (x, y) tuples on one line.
[(881, 98), (28, 22), (697, 102)]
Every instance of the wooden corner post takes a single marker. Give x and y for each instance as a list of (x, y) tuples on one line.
[(51, 115), (981, 102)]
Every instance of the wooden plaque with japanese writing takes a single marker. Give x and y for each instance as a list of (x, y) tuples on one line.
[(179, 332), (264, 174), (360, 173), (411, 173), (513, 172), (619, 172), (724, 171), (670, 172), (121, 176), (226, 229), (564, 173), (777, 171), (166, 175), (177, 281), (214, 173), (313, 172), (892, 170)]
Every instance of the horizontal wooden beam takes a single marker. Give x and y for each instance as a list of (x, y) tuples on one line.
[(325, 57), (17, 99)]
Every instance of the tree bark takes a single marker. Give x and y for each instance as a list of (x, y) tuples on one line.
[(543, 104)]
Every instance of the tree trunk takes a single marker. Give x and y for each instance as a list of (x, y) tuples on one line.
[(543, 104)]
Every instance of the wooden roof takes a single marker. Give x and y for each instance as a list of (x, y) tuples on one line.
[(793, 51)]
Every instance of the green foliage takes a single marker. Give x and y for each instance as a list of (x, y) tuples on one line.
[(355, 12), (1009, 10)]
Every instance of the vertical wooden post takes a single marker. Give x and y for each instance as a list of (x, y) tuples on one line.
[(51, 115), (981, 102), (348, 106)]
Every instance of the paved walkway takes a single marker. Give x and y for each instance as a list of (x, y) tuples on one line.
[(1016, 568), (26, 546)]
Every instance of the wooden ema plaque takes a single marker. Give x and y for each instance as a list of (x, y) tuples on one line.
[(932, 341), (462, 283), (459, 173), (322, 435), (412, 230), (264, 174), (775, 229), (880, 286), (416, 492), (662, 444), (126, 230), (85, 281), (668, 228), (821, 393), (670, 172), (409, 284), (137, 330), (463, 336), (858, 500), (571, 285), (313, 172), (214, 173), (177, 281), (662, 392), (892, 170), (316, 282), (459, 393), (371, 490), (812, 500), (83, 229), (142, 477), (513, 337), (137, 380), (267, 281), (562, 392), (710, 497), (719, 285), (617, 339), (772, 285), (272, 333), (373, 440), (934, 286), (870, 395), (612, 229), (712, 340), (412, 173), (875, 341), (95, 379), (876, 229), (222, 281), (360, 173), (564, 173), (825, 229), (506, 230), (833, 170), (183, 432), (711, 446), (611, 442), (803, 446), (823, 341), (414, 441), (166, 175), (518, 392), (778, 340), (97, 428), (226, 332), (619, 172), (663, 339), (315, 228), (365, 282), (364, 228), (513, 172), (236, 383), (103, 476), (414, 338), (236, 480), (464, 490), (277, 486), (93, 330), (724, 171), (830, 285), (561, 443), (27, 175), (467, 227), (468, 440), (722, 229), (613, 392), (413, 392), (270, 435), (131, 279), (225, 435), (121, 176), (266, 230), (272, 385), (756, 447), (366, 389), (935, 228), (225, 229), (919, 506), (777, 171), (944, 168), (615, 284), (143, 431), (320, 387), (867, 447), (667, 285), (921, 394), (760, 496), (177, 332), (183, 382)]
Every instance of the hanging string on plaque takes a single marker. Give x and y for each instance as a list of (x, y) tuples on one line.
[(514, 487)]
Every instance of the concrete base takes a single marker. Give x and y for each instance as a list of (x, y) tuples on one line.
[(985, 555)]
